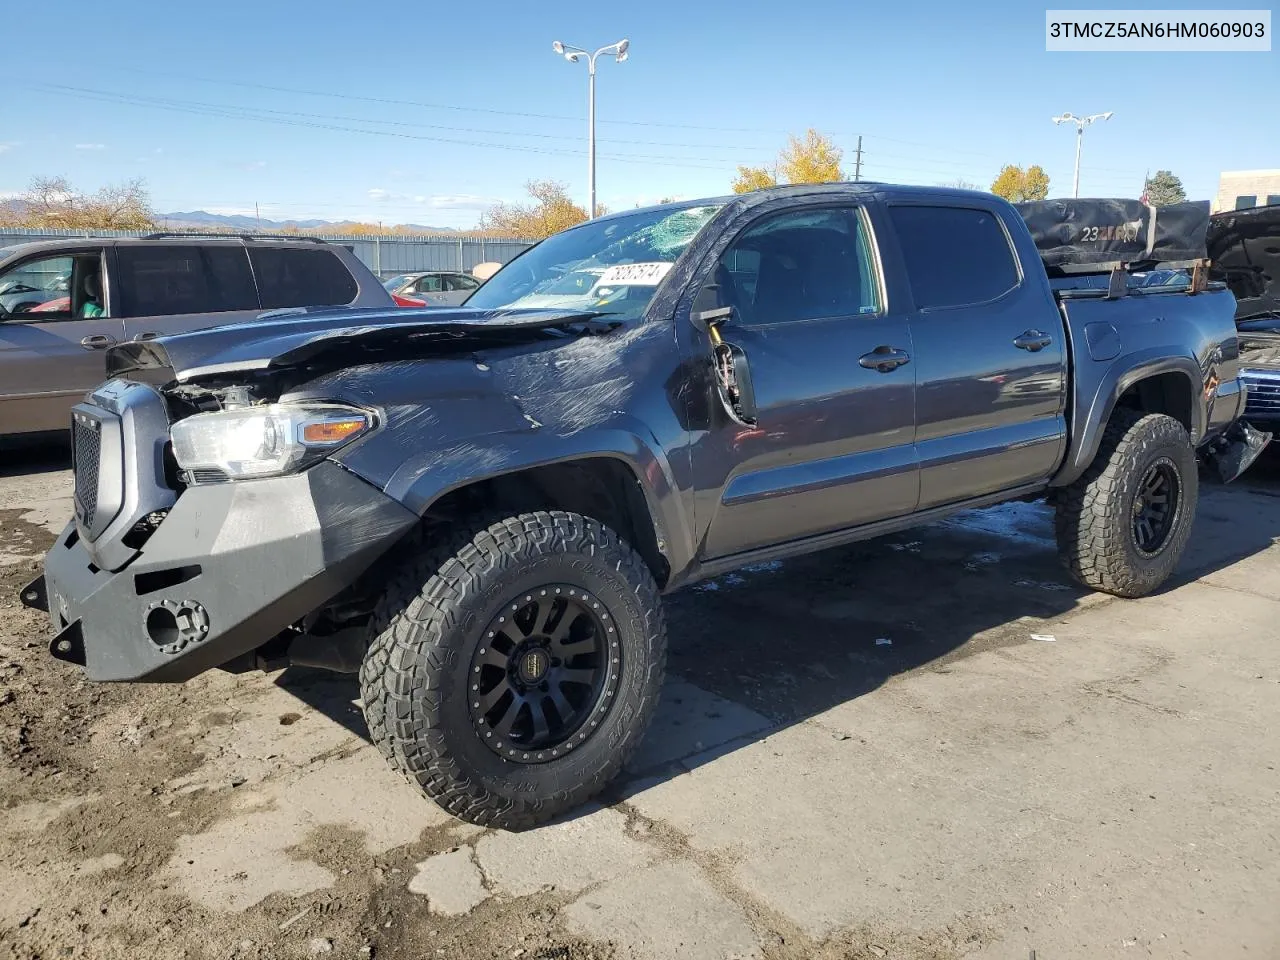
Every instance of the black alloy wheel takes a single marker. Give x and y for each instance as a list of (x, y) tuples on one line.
[(1155, 505), (544, 674)]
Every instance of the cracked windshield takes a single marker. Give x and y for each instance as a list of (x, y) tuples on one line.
[(611, 266)]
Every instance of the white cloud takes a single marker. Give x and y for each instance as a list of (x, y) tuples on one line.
[(464, 201), (383, 196), (5, 147), (253, 165), (91, 146)]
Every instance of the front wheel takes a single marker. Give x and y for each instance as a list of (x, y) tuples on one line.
[(1122, 527), (518, 671)]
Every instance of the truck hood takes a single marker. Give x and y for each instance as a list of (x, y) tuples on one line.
[(1244, 246), (288, 338)]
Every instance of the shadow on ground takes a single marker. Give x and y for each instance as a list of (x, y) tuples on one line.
[(37, 454), (776, 644)]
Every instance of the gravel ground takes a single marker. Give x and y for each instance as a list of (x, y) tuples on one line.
[(861, 754)]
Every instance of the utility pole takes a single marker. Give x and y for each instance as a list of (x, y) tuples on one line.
[(573, 55), (1081, 123), (857, 161), (257, 216)]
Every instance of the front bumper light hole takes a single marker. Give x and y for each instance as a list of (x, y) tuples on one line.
[(162, 626)]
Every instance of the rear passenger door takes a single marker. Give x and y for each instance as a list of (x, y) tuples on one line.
[(430, 288), (990, 361), (460, 286), (169, 288)]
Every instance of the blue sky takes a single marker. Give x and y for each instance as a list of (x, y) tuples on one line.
[(286, 103)]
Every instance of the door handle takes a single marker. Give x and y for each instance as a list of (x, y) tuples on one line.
[(99, 341), (1032, 340), (146, 335), (886, 359)]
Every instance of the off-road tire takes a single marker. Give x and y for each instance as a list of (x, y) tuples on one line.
[(429, 623), (1094, 519)]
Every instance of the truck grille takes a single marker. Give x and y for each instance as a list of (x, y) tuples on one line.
[(86, 438), (1262, 398)]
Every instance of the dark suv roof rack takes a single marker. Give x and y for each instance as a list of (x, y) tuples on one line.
[(286, 238)]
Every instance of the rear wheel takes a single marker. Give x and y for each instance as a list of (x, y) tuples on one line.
[(1122, 527), (516, 667)]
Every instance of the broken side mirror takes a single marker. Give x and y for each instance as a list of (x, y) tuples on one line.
[(730, 367), (708, 312)]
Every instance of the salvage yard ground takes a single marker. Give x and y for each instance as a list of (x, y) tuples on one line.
[(862, 754)]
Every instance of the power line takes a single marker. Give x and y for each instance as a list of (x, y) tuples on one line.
[(199, 108)]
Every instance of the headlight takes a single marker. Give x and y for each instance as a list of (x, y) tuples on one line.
[(267, 440)]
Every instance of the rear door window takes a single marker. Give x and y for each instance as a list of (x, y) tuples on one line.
[(171, 279), (954, 256), (301, 278), (460, 281)]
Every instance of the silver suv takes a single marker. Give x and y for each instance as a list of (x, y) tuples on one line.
[(63, 302)]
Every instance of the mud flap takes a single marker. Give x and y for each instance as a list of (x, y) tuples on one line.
[(1234, 452)]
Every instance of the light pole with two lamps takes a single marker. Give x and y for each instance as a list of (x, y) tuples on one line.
[(573, 55), (1081, 123)]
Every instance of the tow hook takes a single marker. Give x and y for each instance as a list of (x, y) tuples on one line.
[(1234, 452), (35, 595)]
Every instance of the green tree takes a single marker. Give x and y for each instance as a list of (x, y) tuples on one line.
[(551, 212), (1164, 188), (753, 178), (1016, 184), (811, 159)]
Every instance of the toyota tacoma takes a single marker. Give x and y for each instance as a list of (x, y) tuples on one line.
[(478, 508)]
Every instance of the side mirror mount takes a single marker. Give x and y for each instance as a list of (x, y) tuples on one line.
[(731, 370), (708, 312)]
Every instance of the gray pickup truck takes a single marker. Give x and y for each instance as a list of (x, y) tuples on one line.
[(479, 508)]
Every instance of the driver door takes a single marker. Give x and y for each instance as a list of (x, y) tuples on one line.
[(50, 354), (833, 445)]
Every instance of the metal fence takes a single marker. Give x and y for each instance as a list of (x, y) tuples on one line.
[(384, 255)]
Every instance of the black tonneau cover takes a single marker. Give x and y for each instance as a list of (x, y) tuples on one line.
[(1097, 235)]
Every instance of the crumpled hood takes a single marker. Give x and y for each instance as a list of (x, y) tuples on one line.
[(286, 338), (1244, 246)]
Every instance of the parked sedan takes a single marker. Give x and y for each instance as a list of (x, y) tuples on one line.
[(21, 294), (434, 288)]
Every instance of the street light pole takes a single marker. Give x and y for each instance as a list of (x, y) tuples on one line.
[(573, 55), (591, 137), (1081, 123)]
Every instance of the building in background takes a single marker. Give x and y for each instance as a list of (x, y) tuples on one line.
[(1240, 189)]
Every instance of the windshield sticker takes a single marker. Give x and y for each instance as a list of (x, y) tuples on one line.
[(635, 274)]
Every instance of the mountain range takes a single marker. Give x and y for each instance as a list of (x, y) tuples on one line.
[(202, 219)]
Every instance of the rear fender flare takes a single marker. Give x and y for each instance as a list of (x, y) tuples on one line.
[(1093, 410)]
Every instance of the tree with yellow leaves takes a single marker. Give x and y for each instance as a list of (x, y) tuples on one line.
[(1015, 184), (813, 158), (54, 202), (552, 212), (753, 178)]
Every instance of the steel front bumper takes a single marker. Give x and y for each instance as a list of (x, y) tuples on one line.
[(231, 566)]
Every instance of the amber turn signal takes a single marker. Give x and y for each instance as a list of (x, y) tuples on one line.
[(333, 431)]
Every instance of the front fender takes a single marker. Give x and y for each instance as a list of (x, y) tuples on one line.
[(431, 472)]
